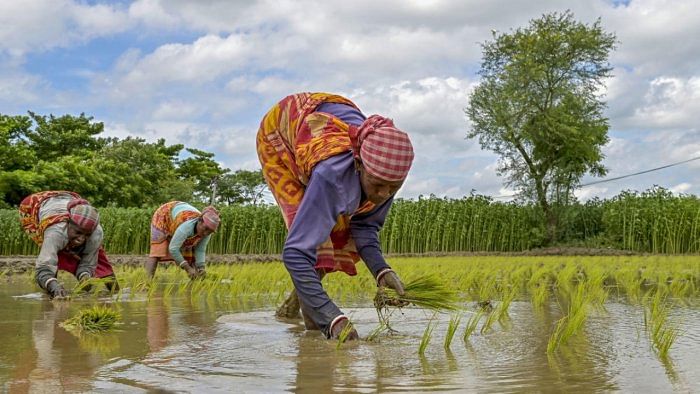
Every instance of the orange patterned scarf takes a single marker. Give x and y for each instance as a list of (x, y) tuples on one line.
[(163, 226), (29, 214), (292, 139)]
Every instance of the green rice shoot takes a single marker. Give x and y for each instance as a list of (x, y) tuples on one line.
[(427, 335), (471, 324), (452, 329), (344, 333)]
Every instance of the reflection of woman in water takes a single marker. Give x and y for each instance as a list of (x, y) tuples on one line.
[(157, 324), (43, 368)]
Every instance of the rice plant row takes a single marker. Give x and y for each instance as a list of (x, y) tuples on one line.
[(653, 221), (483, 287)]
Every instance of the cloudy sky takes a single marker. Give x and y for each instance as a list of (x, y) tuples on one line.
[(204, 72)]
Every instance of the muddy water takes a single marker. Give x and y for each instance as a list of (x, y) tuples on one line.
[(181, 345)]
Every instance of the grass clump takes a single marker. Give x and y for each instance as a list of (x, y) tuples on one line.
[(662, 331), (95, 319)]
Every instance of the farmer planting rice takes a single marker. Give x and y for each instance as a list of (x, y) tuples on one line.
[(67, 229), (180, 233), (334, 173)]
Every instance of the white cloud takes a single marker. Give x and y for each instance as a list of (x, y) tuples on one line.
[(176, 109), (655, 36), (412, 61), (670, 102), (119, 130), (590, 192), (205, 60), (18, 89), (36, 25), (151, 13), (681, 188)]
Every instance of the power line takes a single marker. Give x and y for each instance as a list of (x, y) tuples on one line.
[(621, 176), (640, 172)]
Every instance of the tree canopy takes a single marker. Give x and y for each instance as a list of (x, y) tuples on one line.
[(539, 107), (67, 153)]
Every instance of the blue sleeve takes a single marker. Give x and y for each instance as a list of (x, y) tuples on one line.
[(365, 232), (312, 225), (184, 231), (200, 250)]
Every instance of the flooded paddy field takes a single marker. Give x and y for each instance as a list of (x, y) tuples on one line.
[(553, 323)]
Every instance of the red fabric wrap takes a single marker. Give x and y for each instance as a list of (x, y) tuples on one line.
[(386, 152)]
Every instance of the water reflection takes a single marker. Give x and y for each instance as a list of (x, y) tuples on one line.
[(185, 344), (52, 363), (157, 324), (316, 364)]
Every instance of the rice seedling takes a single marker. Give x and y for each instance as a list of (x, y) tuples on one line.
[(572, 322), (488, 323), (631, 282), (344, 333), (452, 329), (377, 331), (662, 332), (555, 338), (566, 275), (508, 297), (539, 294), (95, 319), (487, 289), (471, 325), (680, 288), (427, 336)]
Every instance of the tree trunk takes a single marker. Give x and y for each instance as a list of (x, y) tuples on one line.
[(549, 214)]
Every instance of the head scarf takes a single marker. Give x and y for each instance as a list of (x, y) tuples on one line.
[(83, 215), (386, 152), (210, 218)]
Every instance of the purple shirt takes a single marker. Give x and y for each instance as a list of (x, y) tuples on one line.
[(334, 189)]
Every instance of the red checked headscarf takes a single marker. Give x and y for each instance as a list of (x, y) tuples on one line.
[(210, 218), (83, 215), (386, 152)]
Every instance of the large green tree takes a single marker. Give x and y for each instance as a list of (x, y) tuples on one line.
[(66, 153), (202, 170), (140, 173), (539, 107), (55, 137), (17, 158), (241, 187)]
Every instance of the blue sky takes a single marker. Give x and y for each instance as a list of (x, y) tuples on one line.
[(204, 72)]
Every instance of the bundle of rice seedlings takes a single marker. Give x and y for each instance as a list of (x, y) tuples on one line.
[(425, 292), (94, 319)]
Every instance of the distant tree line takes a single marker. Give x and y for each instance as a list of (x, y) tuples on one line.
[(67, 153)]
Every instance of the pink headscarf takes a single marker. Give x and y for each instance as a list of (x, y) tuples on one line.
[(83, 215), (210, 218), (386, 152)]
